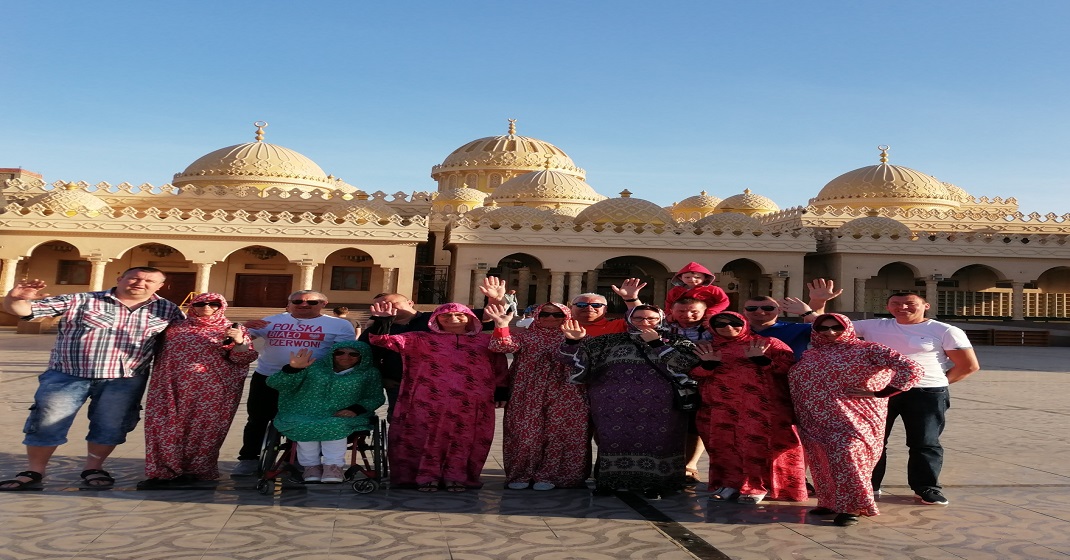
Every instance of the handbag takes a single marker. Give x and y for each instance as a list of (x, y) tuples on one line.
[(684, 397)]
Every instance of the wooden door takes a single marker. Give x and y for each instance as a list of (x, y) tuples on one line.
[(262, 290), (178, 286)]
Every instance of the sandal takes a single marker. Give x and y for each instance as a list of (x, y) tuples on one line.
[(691, 477), (456, 487), (724, 493), (33, 484), (752, 499), (427, 487), (97, 479)]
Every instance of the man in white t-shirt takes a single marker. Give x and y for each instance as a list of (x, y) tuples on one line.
[(948, 357), (303, 326)]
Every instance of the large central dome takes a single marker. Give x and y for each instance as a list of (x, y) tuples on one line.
[(485, 163), (886, 185)]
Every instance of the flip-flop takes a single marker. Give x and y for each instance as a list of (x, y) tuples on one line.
[(33, 484), (427, 487), (456, 487), (97, 479)]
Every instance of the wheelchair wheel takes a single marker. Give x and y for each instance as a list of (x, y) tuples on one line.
[(269, 449), (365, 486), (380, 450), (265, 487)]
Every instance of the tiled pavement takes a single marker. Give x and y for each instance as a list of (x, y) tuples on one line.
[(1007, 475)]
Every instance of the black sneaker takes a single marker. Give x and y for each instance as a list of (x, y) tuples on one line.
[(931, 497), (846, 519)]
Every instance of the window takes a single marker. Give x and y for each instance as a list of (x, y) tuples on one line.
[(73, 273), (355, 278)]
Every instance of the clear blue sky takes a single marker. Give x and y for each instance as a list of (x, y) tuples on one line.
[(662, 98)]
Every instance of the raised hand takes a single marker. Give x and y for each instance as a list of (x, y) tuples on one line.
[(629, 289), (706, 352), (383, 309), (28, 289), (822, 289), (793, 305), (573, 330), (301, 359), (499, 314), (649, 335), (757, 347), (494, 288)]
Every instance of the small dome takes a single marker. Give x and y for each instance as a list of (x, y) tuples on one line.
[(365, 209), (547, 185), (885, 185), (730, 222), (517, 215), (256, 164), (70, 201), (477, 214), (875, 226), (458, 200), (625, 210), (748, 203), (694, 207)]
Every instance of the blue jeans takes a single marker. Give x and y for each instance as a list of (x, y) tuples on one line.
[(922, 410), (114, 408)]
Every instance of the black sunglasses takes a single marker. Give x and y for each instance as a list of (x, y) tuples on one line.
[(723, 324), (585, 304), (558, 315), (823, 328), (215, 304), (346, 353), (308, 301), (762, 307)]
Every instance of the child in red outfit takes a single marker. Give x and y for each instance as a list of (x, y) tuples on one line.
[(696, 281)]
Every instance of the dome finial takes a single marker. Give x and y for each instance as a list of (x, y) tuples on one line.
[(512, 127), (884, 153), (626, 193), (260, 125)]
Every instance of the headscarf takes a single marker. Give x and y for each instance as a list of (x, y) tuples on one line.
[(733, 350), (213, 321), (366, 366), (848, 337), (632, 329), (546, 336), (474, 326), (744, 336)]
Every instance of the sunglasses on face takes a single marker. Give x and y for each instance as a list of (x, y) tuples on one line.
[(824, 328), (723, 324), (308, 301), (346, 353), (762, 307), (585, 305), (215, 304), (558, 315)]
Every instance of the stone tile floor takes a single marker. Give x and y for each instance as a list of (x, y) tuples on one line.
[(1007, 475)]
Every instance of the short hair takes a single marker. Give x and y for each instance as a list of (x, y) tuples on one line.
[(384, 294), (340, 309), (761, 298), (588, 295), (905, 294), (143, 269), (304, 292), (688, 301)]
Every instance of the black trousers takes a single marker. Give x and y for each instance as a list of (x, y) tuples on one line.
[(262, 404)]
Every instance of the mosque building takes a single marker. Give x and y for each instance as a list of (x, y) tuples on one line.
[(257, 221)]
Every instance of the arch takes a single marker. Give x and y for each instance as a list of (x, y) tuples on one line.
[(60, 264), (259, 252), (615, 270), (977, 277), (509, 269), (743, 279)]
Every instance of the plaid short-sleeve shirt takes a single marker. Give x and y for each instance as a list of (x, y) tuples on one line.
[(100, 338)]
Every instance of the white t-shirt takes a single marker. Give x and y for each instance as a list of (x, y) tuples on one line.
[(288, 334), (923, 342)]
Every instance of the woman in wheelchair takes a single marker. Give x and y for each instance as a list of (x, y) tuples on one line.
[(322, 401)]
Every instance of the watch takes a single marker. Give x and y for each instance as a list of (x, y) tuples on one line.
[(808, 313)]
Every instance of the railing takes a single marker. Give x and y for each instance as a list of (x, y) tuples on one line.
[(958, 303)]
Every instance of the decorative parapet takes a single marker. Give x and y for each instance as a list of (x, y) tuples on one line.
[(979, 243)]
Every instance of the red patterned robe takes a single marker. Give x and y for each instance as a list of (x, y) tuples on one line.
[(746, 418), (193, 393), (844, 435), (443, 423), (546, 422)]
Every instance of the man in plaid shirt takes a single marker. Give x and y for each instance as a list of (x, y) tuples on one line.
[(103, 352)]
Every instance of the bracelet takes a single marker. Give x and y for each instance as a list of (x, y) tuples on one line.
[(631, 300), (808, 313)]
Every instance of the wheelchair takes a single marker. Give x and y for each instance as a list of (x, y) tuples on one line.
[(278, 459)]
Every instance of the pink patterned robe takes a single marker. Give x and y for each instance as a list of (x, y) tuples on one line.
[(443, 423), (844, 435)]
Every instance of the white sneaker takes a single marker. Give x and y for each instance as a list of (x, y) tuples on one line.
[(313, 473), (517, 485), (543, 486), (246, 467), (753, 499), (333, 473)]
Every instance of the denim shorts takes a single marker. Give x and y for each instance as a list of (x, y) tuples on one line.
[(114, 408)]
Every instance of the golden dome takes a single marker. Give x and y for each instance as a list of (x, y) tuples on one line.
[(694, 207), (885, 185), (70, 201), (958, 193), (875, 227), (625, 210), (256, 164), (748, 203), (504, 157), (364, 208), (477, 214), (546, 186), (729, 222), (517, 215), (458, 200)]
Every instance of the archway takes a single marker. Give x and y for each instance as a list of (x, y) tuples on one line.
[(525, 274), (615, 271), (742, 279)]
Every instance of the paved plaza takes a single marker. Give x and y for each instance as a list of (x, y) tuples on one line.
[(1007, 475)]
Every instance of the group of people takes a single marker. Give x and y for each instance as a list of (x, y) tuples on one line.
[(773, 397)]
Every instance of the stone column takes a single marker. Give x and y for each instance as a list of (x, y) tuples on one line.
[(778, 286), (475, 299), (592, 281), (932, 297), (557, 286), (860, 294), (204, 274), (389, 279), (523, 289), (462, 285), (96, 273), (1018, 301), (7, 277), (308, 268), (660, 290), (575, 280), (541, 287)]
